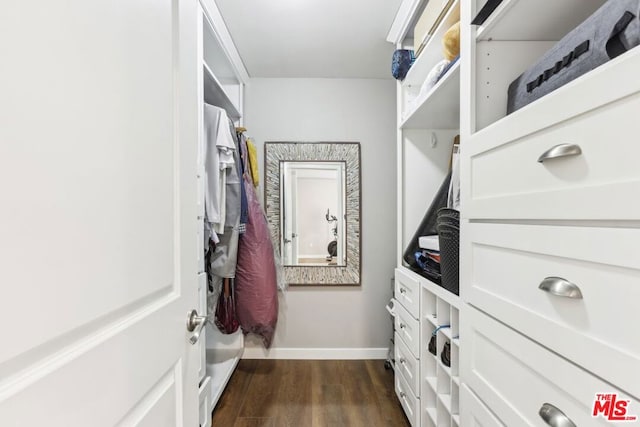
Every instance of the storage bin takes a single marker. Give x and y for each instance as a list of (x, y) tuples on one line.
[(449, 237)]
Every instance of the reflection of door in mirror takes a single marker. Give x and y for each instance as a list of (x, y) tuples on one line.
[(313, 213)]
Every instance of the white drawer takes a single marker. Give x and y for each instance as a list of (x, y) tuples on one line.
[(507, 181), (408, 400), (407, 292), (509, 262), (473, 413), (407, 365), (516, 377), (205, 409), (408, 329)]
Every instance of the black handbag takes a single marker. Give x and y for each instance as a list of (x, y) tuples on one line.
[(445, 356), (433, 342), (432, 345)]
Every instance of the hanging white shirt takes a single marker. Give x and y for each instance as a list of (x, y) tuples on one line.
[(219, 150)]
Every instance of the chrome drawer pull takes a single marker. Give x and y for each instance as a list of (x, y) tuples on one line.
[(554, 417), (561, 150), (402, 394), (402, 325), (560, 287), (402, 360), (403, 290)]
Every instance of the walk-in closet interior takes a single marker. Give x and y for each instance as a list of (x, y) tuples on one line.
[(319, 213)]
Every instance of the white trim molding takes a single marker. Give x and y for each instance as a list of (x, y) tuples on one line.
[(224, 37), (402, 21), (316, 353)]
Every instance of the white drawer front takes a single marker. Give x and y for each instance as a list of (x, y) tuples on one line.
[(515, 377), (407, 292), (509, 262), (407, 365), (408, 329), (205, 409), (507, 181), (408, 400), (473, 413)]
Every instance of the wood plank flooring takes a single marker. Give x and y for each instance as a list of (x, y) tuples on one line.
[(310, 393)]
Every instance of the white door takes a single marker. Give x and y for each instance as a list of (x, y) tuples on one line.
[(98, 130)]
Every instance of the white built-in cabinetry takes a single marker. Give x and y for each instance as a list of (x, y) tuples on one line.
[(549, 261), (428, 120), (222, 78)]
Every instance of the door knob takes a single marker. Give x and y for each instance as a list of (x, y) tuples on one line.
[(195, 324)]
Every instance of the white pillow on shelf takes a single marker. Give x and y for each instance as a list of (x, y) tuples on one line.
[(432, 77)]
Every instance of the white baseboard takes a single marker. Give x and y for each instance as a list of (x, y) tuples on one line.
[(316, 353)]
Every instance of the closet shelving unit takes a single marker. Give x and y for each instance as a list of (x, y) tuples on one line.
[(439, 107), (222, 81), (504, 212), (440, 308), (427, 121), (509, 200)]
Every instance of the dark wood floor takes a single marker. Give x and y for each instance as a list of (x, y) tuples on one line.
[(310, 393)]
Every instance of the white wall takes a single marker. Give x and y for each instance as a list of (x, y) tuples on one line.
[(317, 322)]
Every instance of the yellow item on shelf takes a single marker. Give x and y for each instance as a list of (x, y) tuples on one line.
[(253, 162), (451, 42)]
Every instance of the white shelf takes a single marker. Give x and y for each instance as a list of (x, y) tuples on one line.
[(432, 381), (220, 366), (440, 292), (438, 108), (215, 94), (446, 369), (433, 414), (594, 89), (446, 332), (456, 380), (432, 53), (455, 341), (446, 401), (432, 319), (522, 19), (456, 419)]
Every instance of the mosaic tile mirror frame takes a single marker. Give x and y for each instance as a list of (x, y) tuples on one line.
[(340, 262)]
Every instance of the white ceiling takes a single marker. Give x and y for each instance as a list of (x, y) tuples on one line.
[(312, 38)]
